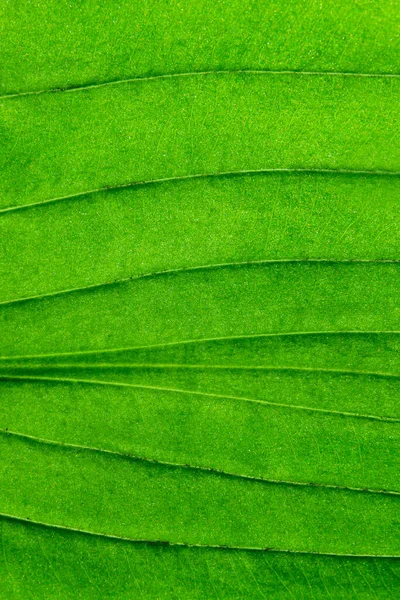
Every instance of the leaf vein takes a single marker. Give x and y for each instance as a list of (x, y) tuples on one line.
[(209, 267), (222, 174), (161, 76), (212, 470), (170, 544), (386, 419)]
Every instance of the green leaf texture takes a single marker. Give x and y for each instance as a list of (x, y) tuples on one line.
[(200, 300)]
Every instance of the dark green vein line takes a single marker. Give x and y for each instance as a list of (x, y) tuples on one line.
[(166, 543), (210, 470), (203, 341), (195, 393), (233, 367), (225, 174), (211, 267), (161, 76)]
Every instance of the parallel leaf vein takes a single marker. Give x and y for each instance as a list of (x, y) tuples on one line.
[(144, 78), (254, 336), (205, 366), (197, 268), (167, 543), (222, 174), (212, 470), (196, 393)]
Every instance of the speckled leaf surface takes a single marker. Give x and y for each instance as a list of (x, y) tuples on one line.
[(199, 300)]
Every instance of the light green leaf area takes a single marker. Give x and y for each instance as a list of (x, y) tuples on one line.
[(199, 300)]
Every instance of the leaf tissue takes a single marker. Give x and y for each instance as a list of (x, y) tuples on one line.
[(199, 300)]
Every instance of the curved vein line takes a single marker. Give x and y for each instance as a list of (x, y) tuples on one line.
[(221, 174), (233, 367), (210, 267), (203, 341), (66, 528), (211, 470), (161, 76), (196, 393)]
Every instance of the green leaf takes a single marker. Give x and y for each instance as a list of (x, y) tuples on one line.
[(199, 300)]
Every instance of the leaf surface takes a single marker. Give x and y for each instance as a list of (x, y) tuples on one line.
[(199, 300)]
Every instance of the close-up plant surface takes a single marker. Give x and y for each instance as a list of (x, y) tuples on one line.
[(199, 299)]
